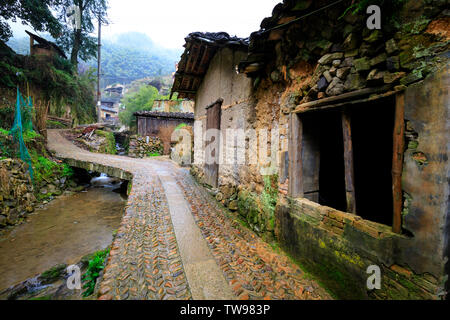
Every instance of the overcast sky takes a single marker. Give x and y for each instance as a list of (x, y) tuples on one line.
[(168, 22)]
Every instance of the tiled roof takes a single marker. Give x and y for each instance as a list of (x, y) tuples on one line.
[(200, 49), (172, 115)]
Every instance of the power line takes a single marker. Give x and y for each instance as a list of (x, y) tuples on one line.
[(303, 17)]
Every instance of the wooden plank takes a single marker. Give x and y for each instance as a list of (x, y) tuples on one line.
[(311, 158), (203, 60), (146, 127), (213, 118), (397, 162), (295, 156), (348, 162), (357, 103), (342, 97)]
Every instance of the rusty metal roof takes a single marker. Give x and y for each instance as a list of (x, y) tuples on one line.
[(167, 115), (200, 48)]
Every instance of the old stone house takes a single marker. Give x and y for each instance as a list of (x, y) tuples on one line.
[(207, 74), (356, 123)]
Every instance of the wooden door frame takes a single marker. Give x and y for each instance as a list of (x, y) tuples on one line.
[(213, 179), (296, 147)]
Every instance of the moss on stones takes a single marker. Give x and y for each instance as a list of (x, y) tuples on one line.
[(53, 274), (258, 210)]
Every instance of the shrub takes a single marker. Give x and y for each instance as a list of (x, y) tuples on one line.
[(96, 265)]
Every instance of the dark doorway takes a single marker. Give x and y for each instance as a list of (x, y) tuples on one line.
[(372, 136), (332, 171), (323, 159)]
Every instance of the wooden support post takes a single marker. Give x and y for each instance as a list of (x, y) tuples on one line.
[(348, 161), (397, 162), (295, 156), (31, 45)]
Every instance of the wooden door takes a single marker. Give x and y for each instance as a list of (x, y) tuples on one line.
[(213, 115)]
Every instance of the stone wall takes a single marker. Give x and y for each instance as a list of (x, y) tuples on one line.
[(141, 147), (316, 64), (338, 248), (16, 194)]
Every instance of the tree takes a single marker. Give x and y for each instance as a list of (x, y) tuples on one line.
[(36, 13), (138, 101), (78, 41)]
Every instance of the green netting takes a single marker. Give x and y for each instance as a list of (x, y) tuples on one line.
[(23, 108), (26, 113)]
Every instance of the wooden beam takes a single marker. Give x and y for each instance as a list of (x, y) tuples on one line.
[(203, 59), (341, 98), (186, 91), (397, 162), (295, 156), (348, 161), (359, 103), (31, 46), (190, 59), (191, 76)]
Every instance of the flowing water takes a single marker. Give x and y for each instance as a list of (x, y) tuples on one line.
[(67, 229)]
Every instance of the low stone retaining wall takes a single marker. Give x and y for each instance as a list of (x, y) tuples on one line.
[(16, 194), (339, 248)]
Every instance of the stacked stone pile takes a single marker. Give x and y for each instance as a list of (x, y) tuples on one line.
[(141, 147), (228, 196), (359, 62), (325, 55)]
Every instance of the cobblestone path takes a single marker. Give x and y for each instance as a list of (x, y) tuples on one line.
[(251, 267), (214, 257)]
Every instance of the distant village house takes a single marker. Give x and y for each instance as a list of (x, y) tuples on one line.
[(41, 47)]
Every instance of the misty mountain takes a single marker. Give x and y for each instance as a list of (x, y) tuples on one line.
[(125, 57)]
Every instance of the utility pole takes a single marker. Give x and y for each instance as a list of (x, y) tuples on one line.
[(99, 59)]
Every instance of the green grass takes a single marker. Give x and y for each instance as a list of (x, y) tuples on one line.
[(29, 136), (153, 154), (110, 147), (96, 265), (45, 169), (181, 126)]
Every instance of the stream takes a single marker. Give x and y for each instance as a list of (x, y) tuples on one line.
[(63, 231)]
